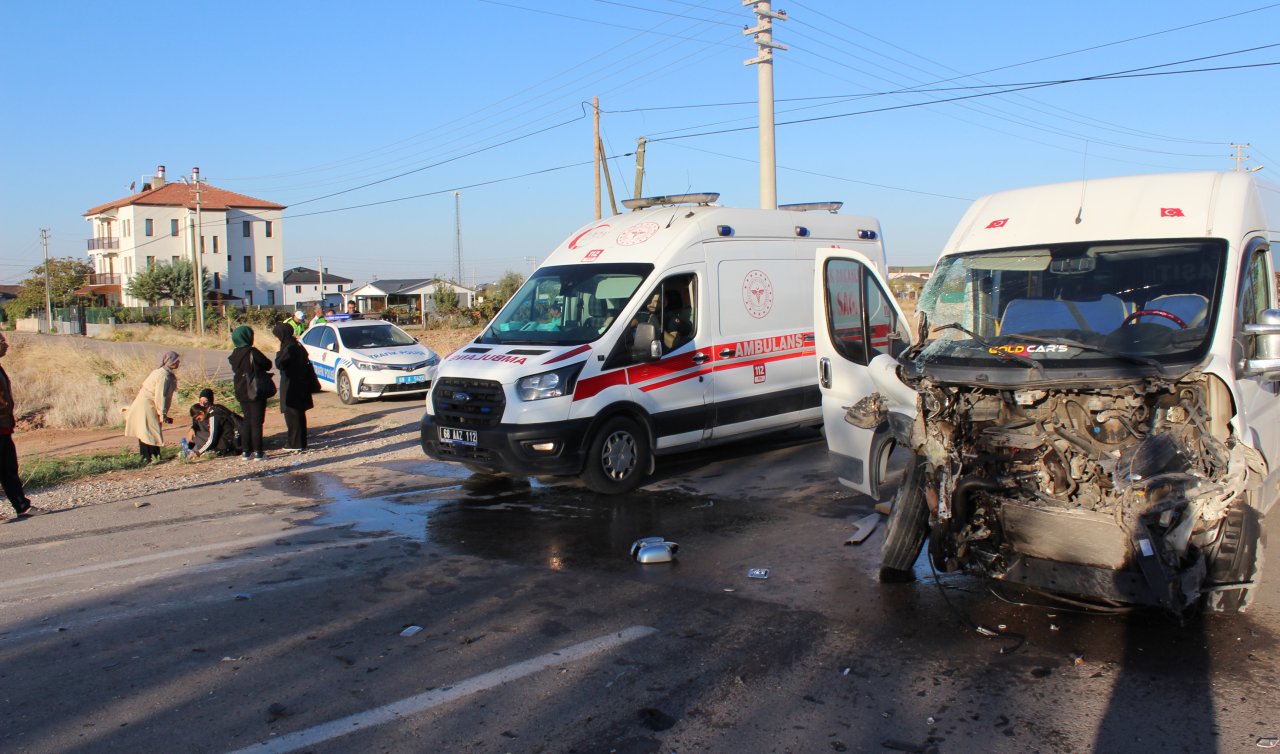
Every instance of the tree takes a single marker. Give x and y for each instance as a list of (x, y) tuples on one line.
[(445, 297), (506, 287), (66, 276), (169, 280)]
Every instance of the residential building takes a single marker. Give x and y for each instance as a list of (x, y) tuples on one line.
[(417, 294), (302, 287), (240, 240)]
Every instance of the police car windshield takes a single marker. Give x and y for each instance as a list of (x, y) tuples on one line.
[(374, 335), (566, 304), (1066, 304)]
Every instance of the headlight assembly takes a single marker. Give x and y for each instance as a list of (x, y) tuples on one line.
[(551, 384)]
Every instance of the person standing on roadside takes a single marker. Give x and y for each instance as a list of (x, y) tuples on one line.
[(353, 311), (9, 477), (318, 318), (150, 410), (297, 382), (298, 323), (246, 361)]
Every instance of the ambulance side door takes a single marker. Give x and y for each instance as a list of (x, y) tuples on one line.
[(858, 331)]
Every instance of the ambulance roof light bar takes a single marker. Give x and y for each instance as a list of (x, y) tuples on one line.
[(831, 207), (662, 201)]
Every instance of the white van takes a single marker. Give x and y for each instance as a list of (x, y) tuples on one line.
[(675, 326), (1090, 397)]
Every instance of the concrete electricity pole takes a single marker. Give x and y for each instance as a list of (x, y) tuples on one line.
[(197, 254), (763, 34), (457, 235), (595, 148), (1240, 158), (320, 269), (48, 297)]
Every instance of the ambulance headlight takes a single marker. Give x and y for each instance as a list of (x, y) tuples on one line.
[(551, 384)]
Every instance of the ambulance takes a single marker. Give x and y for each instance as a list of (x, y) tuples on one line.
[(1090, 396), (678, 325)]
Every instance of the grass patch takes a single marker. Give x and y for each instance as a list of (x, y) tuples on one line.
[(43, 471)]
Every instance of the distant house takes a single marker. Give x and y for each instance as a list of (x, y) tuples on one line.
[(302, 287), (415, 293), (9, 293), (240, 240), (922, 272)]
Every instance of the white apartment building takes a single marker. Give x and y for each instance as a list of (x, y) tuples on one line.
[(240, 238), (304, 286)]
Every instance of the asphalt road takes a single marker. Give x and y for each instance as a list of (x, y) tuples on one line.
[(277, 613)]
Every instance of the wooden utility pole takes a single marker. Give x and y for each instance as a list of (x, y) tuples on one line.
[(608, 179), (595, 147), (48, 296), (640, 142)]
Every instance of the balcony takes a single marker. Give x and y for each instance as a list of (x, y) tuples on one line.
[(97, 244), (104, 278)]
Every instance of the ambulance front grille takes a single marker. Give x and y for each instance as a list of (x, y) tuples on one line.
[(468, 403)]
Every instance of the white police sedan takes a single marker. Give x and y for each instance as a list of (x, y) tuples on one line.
[(368, 358)]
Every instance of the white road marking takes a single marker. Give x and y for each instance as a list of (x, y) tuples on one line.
[(8, 583), (436, 697)]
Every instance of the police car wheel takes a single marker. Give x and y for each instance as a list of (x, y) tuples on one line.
[(344, 389), (618, 459)]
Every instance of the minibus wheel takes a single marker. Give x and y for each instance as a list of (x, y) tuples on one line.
[(908, 526), (618, 458)]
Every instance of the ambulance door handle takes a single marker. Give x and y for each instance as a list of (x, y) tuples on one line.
[(728, 353), (824, 371), (700, 358)]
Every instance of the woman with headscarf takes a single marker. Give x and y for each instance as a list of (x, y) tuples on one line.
[(150, 410), (297, 382), (246, 361)]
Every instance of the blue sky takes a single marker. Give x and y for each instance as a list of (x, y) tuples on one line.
[(306, 103)]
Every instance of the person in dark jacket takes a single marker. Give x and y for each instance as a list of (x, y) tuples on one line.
[(9, 478), (245, 360), (297, 383)]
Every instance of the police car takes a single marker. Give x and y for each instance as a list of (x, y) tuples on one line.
[(368, 358)]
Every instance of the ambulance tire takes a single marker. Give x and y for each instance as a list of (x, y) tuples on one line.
[(618, 458), (907, 529), (1236, 558), (345, 394)]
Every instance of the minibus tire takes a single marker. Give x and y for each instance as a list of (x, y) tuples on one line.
[(618, 458), (1236, 558), (907, 528)]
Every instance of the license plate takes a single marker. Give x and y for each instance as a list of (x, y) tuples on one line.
[(450, 436), (411, 378)]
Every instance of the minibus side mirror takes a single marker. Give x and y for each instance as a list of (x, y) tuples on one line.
[(1267, 360), (646, 346)]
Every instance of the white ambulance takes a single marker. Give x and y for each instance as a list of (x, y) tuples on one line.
[(1091, 399), (675, 326)]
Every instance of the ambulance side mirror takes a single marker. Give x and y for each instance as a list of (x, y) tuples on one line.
[(646, 347)]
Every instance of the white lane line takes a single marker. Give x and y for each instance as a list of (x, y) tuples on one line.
[(436, 697), (7, 583)]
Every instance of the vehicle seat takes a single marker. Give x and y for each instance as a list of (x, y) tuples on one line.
[(1191, 308), (1028, 314)]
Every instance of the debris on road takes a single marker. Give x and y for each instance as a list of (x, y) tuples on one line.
[(757, 573), (884, 508), (241, 597), (410, 630), (653, 550), (862, 528), (1268, 743), (277, 711)]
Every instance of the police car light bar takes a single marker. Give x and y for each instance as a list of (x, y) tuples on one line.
[(662, 201), (831, 207)]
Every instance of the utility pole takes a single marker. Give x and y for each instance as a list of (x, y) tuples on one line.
[(48, 297), (640, 142), (197, 254), (1240, 157), (320, 271), (608, 179), (595, 148), (762, 32), (457, 235)]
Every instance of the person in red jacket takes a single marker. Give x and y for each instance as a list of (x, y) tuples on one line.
[(9, 478)]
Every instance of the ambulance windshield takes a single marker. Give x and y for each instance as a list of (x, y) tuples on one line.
[(566, 305), (1066, 304)]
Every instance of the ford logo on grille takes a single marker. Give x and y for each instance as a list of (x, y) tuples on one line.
[(462, 397)]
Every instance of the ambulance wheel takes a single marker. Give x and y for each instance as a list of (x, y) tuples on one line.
[(618, 458), (1236, 558), (344, 390), (907, 528)]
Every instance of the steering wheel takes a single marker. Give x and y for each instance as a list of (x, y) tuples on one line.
[(1156, 313)]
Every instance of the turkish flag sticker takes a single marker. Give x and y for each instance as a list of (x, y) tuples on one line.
[(998, 223), (1171, 212)]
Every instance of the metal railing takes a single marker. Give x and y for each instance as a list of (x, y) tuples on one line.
[(104, 278), (96, 244)]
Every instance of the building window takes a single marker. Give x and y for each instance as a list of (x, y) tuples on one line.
[(215, 244), (267, 226), (248, 264), (339, 287), (151, 262), (173, 227), (246, 228), (217, 281), (248, 297), (297, 289), (148, 227), (202, 244), (271, 297), (271, 261), (174, 258)]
